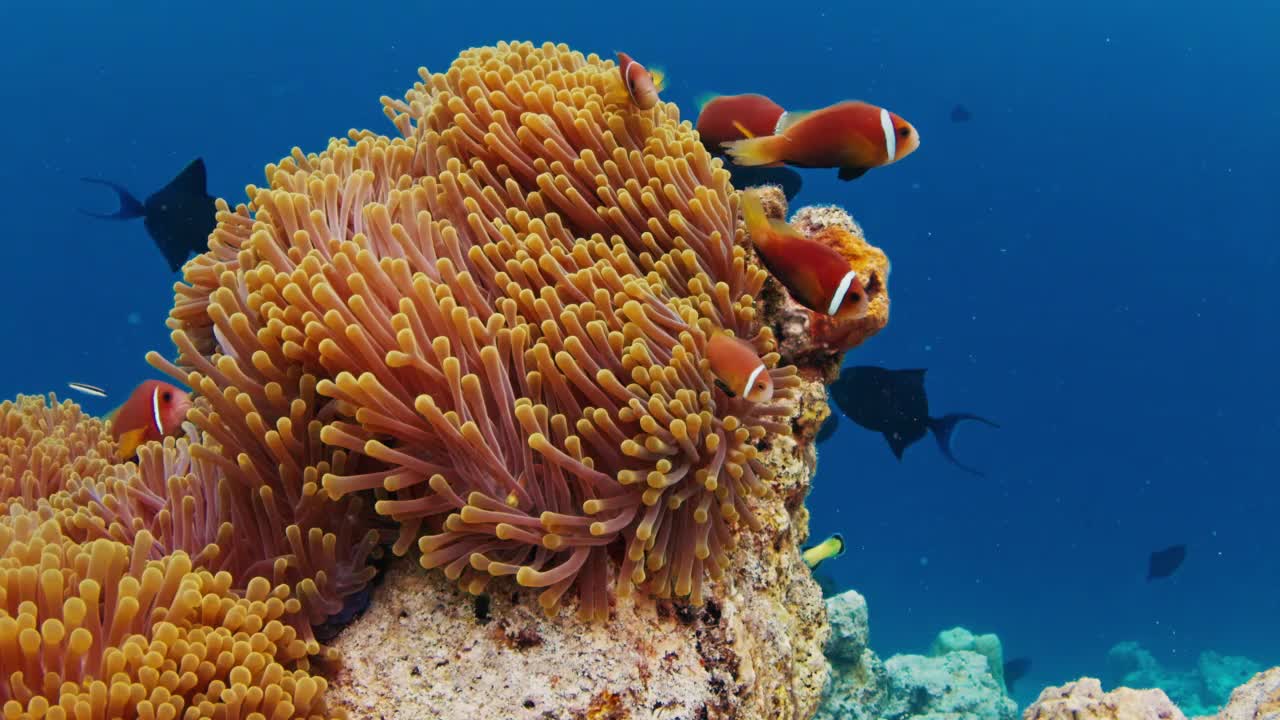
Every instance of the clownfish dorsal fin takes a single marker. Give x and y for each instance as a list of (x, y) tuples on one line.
[(743, 129), (787, 119), (703, 100)]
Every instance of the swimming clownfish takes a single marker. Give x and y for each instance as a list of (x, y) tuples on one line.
[(832, 547), (154, 410), (642, 85), (738, 370), (815, 274), (853, 136), (725, 118)]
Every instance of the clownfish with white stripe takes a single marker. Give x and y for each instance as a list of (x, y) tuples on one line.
[(816, 275), (853, 136), (642, 85), (738, 369), (155, 410)]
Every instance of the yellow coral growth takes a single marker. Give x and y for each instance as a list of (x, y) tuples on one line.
[(496, 326), (42, 446), (97, 631), (104, 613)]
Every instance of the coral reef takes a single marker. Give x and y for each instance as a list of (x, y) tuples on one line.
[(498, 324), (1258, 699), (812, 341), (753, 650), (487, 340), (955, 682), (1198, 691), (1084, 700), (987, 645)]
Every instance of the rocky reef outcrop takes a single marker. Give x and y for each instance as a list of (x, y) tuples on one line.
[(953, 681), (1085, 700), (425, 649), (1201, 690)]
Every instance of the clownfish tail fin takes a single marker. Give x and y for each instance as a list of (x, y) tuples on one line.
[(703, 100), (659, 77), (756, 151), (753, 216)]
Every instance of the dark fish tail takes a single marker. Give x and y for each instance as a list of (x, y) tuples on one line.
[(130, 208), (942, 429)]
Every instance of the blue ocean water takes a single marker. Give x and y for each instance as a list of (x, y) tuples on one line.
[(1089, 261)]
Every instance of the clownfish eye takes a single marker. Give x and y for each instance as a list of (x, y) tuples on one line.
[(166, 396), (905, 132), (854, 297)]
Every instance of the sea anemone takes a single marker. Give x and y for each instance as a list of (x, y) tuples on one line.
[(105, 613), (495, 327), (43, 445)]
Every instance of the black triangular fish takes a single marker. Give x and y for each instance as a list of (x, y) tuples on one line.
[(960, 114), (1014, 670), (894, 403), (178, 216), (744, 177), (1164, 563), (851, 173)]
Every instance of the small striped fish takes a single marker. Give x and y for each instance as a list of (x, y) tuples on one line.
[(87, 389)]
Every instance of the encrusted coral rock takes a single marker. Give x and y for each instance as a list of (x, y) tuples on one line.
[(1201, 690), (955, 684), (958, 684), (847, 615), (814, 342), (423, 649), (1258, 699), (1084, 700), (987, 645)]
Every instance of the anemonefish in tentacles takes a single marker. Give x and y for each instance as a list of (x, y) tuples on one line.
[(832, 547), (853, 136), (642, 85), (738, 370), (154, 411), (725, 118), (815, 274)]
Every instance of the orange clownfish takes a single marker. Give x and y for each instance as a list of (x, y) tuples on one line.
[(642, 85), (725, 118), (155, 410), (738, 370), (815, 274), (853, 136)]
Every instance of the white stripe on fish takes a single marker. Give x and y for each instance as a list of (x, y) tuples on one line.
[(890, 136), (155, 410), (838, 299)]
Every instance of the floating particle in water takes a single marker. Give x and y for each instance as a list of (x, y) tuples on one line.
[(924, 561), (134, 318)]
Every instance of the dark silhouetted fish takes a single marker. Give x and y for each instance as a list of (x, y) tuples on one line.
[(893, 402), (178, 216), (1014, 670), (828, 428), (960, 114), (745, 177), (828, 584), (1166, 562)]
